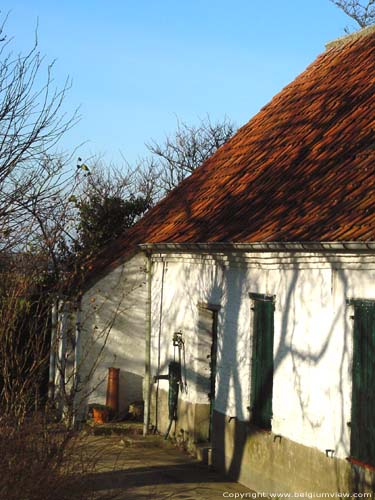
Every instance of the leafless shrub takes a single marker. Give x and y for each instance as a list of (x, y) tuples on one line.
[(41, 460), (24, 320)]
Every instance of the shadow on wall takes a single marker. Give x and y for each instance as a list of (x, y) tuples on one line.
[(172, 316), (113, 326), (130, 388), (228, 374), (321, 294), (231, 440)]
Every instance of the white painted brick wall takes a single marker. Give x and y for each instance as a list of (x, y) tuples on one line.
[(312, 343)]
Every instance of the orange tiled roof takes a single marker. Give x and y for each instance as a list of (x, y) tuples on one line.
[(301, 170)]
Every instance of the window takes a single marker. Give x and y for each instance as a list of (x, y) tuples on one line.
[(262, 360)]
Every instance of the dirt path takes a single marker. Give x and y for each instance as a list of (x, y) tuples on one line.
[(140, 468)]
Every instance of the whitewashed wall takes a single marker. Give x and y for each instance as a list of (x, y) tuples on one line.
[(312, 342), (113, 332)]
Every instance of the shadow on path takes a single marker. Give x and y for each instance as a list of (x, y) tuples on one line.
[(151, 468)]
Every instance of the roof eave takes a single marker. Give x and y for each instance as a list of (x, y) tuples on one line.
[(274, 246)]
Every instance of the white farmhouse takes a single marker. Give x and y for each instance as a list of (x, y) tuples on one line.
[(253, 284)]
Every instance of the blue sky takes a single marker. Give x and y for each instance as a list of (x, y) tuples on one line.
[(138, 65)]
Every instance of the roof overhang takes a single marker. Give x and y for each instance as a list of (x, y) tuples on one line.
[(302, 246)]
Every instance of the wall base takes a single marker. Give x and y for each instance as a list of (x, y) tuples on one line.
[(192, 425), (266, 462)]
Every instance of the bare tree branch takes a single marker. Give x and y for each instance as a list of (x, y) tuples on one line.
[(32, 173), (187, 149), (363, 14)]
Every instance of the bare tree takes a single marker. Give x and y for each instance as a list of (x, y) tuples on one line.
[(145, 179), (362, 13), (32, 173), (35, 217), (107, 180), (187, 149)]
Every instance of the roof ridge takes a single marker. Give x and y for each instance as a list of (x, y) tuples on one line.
[(352, 37)]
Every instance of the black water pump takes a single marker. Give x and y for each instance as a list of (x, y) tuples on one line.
[(175, 381)]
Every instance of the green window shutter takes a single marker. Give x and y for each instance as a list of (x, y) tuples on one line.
[(363, 378), (262, 361)]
